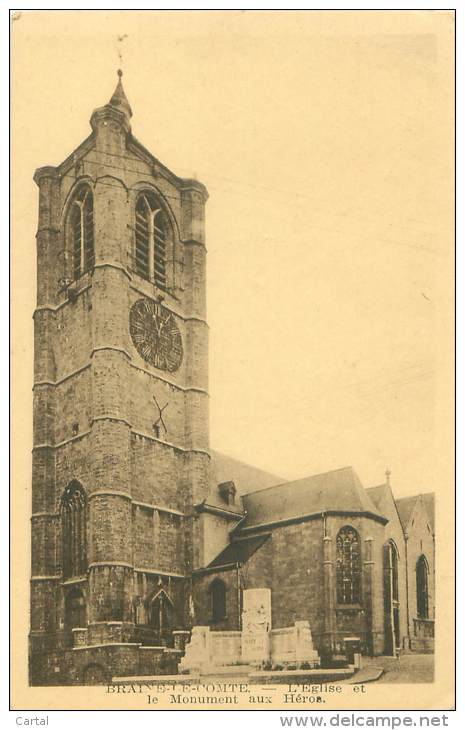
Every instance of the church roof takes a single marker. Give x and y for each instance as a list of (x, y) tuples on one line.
[(405, 508), (239, 551), (334, 491), (376, 494), (428, 501), (406, 505), (246, 478)]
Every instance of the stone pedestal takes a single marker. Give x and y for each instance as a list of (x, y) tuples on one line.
[(304, 651), (198, 650), (256, 625)]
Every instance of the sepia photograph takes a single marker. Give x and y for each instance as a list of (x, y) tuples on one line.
[(232, 264)]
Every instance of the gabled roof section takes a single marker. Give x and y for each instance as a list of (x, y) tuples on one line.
[(383, 497), (119, 109), (405, 507), (377, 494), (428, 501), (338, 491), (239, 551)]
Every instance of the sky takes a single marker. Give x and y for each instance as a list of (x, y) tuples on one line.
[(325, 141)]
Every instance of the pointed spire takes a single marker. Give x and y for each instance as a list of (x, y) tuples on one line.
[(119, 99), (388, 475)]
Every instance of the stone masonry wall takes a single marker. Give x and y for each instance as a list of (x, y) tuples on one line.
[(93, 399)]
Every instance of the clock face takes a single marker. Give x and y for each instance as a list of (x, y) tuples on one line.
[(155, 335)]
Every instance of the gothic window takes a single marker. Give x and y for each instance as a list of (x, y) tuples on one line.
[(395, 572), (422, 587), (348, 568), (81, 227), (73, 526), (152, 240), (392, 637), (218, 600)]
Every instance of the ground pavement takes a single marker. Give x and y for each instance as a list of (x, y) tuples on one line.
[(407, 669)]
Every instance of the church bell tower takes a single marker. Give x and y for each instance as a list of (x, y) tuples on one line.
[(121, 443)]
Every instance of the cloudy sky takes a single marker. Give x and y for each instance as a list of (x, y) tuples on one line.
[(324, 140)]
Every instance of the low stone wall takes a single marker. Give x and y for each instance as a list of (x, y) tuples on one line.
[(225, 647), (209, 649), (87, 665)]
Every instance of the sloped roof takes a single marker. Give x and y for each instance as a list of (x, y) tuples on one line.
[(239, 551), (246, 478), (376, 494), (334, 491), (428, 501), (405, 508), (406, 505)]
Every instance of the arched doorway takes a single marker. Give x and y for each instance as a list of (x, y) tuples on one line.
[(391, 598), (422, 571), (162, 617), (75, 613)]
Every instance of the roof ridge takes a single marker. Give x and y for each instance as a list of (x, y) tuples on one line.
[(295, 481), (409, 496), (377, 486)]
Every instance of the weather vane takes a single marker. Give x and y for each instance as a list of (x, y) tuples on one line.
[(119, 40)]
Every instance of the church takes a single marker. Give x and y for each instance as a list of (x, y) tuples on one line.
[(140, 532)]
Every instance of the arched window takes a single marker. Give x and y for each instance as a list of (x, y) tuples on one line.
[(217, 600), (152, 240), (348, 567), (73, 528), (81, 228), (422, 587), (392, 638)]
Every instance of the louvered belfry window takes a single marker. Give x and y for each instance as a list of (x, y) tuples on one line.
[(143, 215), (348, 566), (82, 231), (73, 530), (151, 244)]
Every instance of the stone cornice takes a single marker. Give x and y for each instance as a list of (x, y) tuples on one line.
[(185, 389), (115, 493), (134, 431), (215, 569), (312, 516), (214, 510), (184, 317)]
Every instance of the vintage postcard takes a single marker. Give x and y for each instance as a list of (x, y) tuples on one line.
[(233, 472)]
